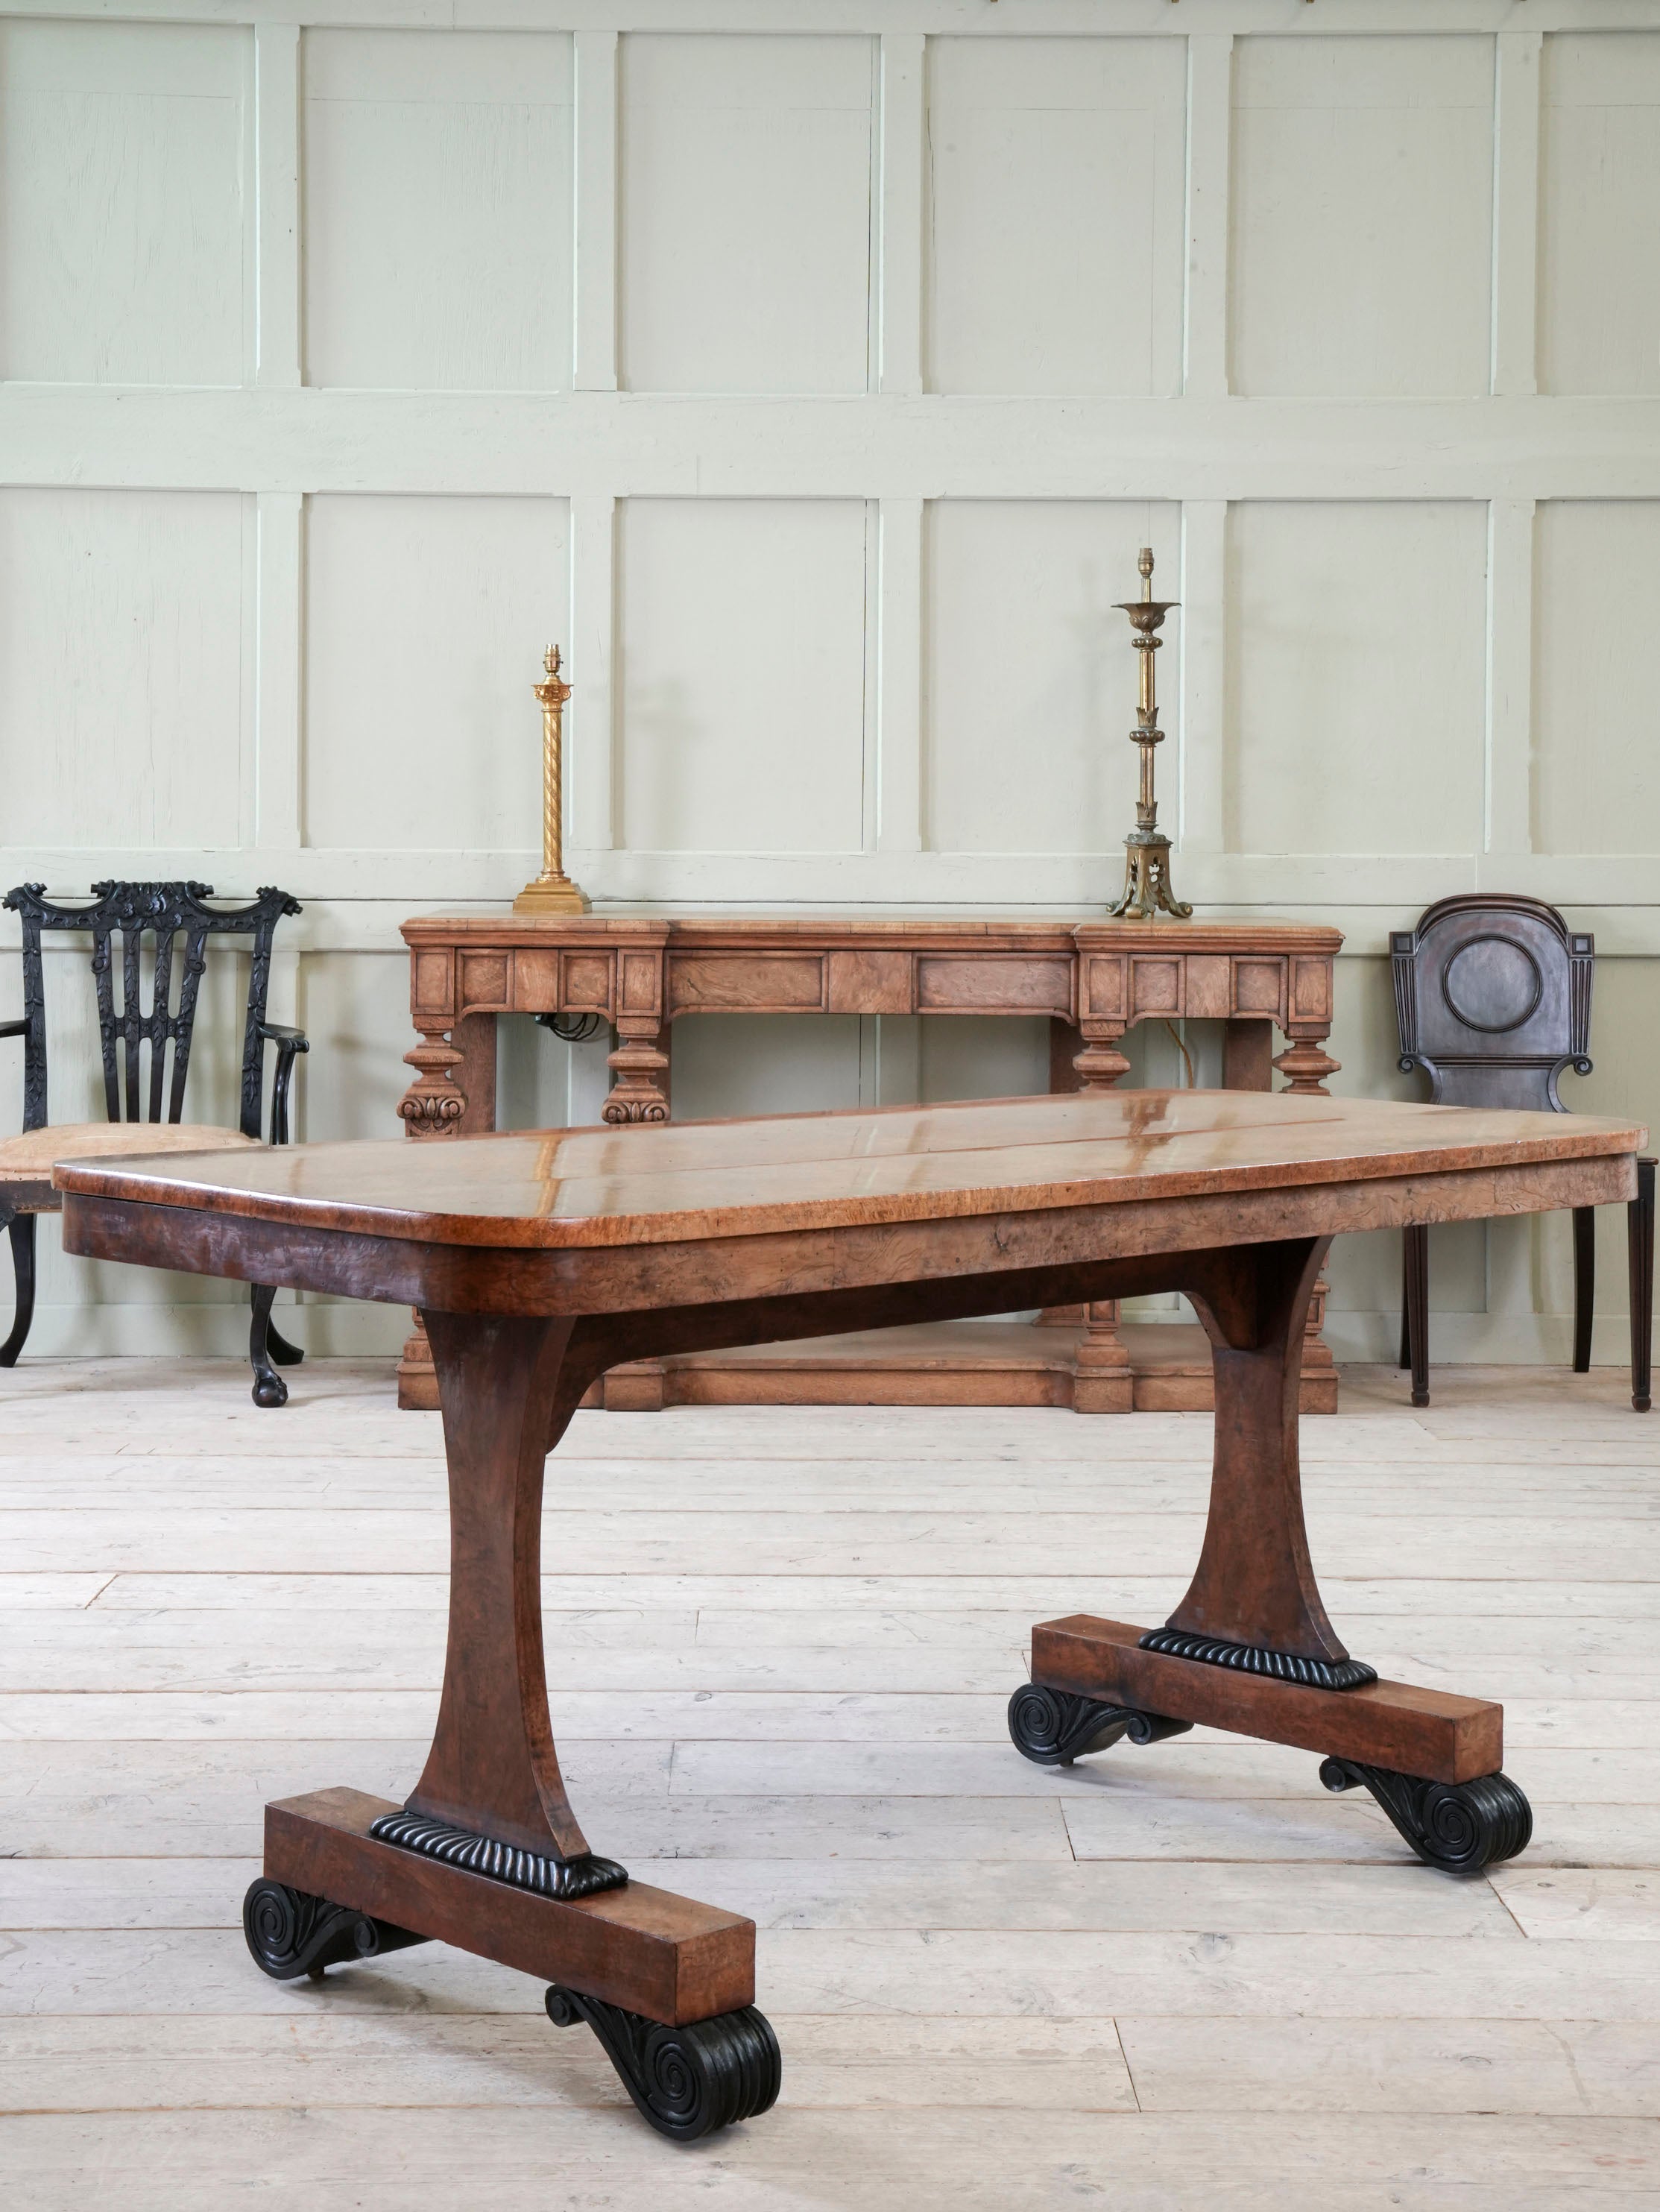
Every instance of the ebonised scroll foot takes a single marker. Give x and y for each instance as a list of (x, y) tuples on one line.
[(686, 2081), (1459, 1826), (291, 1933), (1052, 1727)]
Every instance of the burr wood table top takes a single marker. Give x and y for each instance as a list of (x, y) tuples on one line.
[(744, 1179)]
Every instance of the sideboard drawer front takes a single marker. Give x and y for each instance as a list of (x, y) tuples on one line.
[(483, 982), (1157, 985), (586, 982), (1207, 993), (1259, 988), (969, 983), (746, 983), (871, 982), (535, 981)]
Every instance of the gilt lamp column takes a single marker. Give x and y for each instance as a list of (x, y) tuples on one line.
[(552, 891)]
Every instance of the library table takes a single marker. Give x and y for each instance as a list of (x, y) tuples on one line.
[(540, 1262)]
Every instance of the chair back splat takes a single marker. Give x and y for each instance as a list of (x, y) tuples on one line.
[(1492, 996), (177, 917)]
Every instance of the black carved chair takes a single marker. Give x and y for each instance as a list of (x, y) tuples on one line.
[(1493, 997), (176, 917)]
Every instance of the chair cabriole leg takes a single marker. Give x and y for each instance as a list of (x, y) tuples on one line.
[(20, 1228), (269, 1387)]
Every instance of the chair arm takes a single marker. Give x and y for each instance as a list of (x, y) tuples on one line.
[(14, 1029), (289, 1041)]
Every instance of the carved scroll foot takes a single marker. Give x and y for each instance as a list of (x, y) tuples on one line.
[(686, 2081), (291, 1933), (584, 1875), (1052, 1727), (1459, 1826)]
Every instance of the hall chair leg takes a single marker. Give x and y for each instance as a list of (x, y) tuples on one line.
[(1585, 1285), (1415, 1304), (1639, 1235), (21, 1227)]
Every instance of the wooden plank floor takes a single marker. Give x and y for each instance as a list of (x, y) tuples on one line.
[(780, 1643)]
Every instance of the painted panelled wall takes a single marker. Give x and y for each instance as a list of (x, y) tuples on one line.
[(812, 371)]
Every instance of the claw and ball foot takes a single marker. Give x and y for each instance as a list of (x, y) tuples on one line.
[(1459, 1826), (291, 1933), (1052, 1727), (686, 2081)]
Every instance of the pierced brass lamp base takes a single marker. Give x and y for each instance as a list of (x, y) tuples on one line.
[(551, 895), (1147, 889)]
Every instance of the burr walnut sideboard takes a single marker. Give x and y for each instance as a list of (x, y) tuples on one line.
[(642, 971)]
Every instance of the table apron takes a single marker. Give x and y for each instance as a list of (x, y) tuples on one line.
[(806, 1263)]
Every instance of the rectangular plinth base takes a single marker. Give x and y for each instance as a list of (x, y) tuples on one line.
[(646, 1949), (1423, 1732), (933, 1364)]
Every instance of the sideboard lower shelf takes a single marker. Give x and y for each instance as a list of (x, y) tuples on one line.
[(984, 1362)]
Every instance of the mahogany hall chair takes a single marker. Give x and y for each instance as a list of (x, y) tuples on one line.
[(1492, 997), (178, 924)]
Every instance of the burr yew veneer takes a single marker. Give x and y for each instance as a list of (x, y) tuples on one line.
[(1092, 981), (541, 1262)]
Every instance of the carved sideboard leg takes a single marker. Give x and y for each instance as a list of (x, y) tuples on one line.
[(1100, 1064), (435, 1102), (1247, 1056), (640, 1072), (1102, 1379), (417, 1378), (1305, 1063)]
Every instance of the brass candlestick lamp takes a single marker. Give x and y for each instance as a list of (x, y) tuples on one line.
[(552, 891), (1147, 889)]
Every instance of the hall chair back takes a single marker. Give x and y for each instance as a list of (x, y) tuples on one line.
[(1493, 997)]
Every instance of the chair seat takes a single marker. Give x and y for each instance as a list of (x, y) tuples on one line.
[(29, 1158)]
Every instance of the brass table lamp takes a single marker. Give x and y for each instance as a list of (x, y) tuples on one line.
[(1147, 889), (552, 891)]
